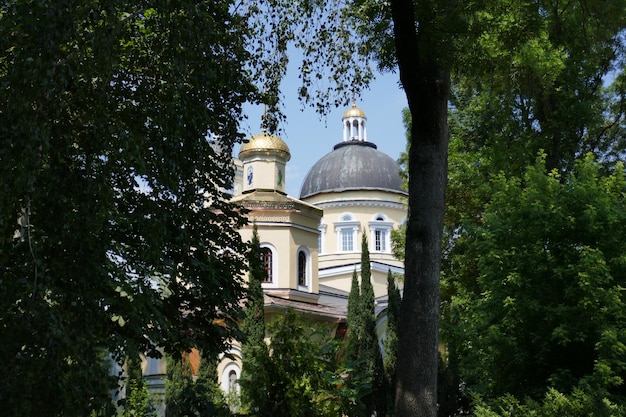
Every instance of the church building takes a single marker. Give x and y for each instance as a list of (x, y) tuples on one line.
[(311, 245)]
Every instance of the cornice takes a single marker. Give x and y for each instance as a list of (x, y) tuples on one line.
[(362, 203)]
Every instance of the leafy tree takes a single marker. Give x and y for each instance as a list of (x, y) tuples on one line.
[(555, 404), (549, 288), (557, 101), (254, 379), (560, 55), (188, 397), (521, 51), (115, 232), (179, 386), (306, 371), (520, 83)]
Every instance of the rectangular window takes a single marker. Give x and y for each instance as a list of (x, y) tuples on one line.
[(347, 240), (380, 240)]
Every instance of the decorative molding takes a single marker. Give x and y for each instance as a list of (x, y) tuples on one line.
[(349, 269), (359, 203), (283, 224)]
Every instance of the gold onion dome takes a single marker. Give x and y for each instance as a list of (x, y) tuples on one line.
[(264, 142), (354, 111)]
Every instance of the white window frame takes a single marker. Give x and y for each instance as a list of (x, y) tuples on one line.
[(225, 380), (320, 239), (307, 268), (347, 223), (274, 283), (380, 223)]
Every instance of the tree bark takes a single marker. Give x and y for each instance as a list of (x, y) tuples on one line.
[(426, 83)]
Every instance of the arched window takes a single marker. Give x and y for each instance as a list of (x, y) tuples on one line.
[(302, 269), (229, 378), (268, 264), (232, 381)]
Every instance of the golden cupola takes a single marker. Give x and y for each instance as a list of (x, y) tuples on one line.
[(354, 125), (264, 158)]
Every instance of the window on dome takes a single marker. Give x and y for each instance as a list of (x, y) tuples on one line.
[(346, 228), (380, 240), (347, 240), (381, 233)]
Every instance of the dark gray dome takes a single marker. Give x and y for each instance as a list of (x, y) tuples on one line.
[(352, 165)]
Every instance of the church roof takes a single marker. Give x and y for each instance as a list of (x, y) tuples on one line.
[(274, 200), (354, 111), (264, 142), (352, 165)]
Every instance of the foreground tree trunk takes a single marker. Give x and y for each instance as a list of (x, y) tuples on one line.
[(426, 84)]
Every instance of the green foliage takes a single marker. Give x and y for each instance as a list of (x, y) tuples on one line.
[(534, 79), (555, 404), (115, 233), (306, 376), (549, 289), (333, 63), (363, 352), (253, 325), (354, 319), (370, 353), (390, 343), (187, 397), (137, 402), (254, 380)]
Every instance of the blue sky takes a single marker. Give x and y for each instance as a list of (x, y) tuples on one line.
[(310, 138)]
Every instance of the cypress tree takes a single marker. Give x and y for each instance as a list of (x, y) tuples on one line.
[(254, 383), (390, 343), (137, 402), (359, 382), (353, 320), (370, 349), (179, 386)]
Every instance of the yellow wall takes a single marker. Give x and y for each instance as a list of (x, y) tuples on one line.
[(287, 232)]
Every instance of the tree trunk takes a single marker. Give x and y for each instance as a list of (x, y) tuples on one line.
[(426, 84)]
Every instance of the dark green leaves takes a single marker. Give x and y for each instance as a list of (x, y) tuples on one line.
[(127, 240)]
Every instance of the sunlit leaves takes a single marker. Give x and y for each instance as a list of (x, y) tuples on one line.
[(321, 37)]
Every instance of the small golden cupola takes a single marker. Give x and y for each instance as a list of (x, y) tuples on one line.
[(354, 125), (264, 157)]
